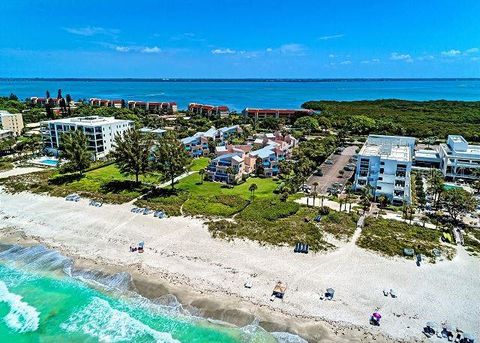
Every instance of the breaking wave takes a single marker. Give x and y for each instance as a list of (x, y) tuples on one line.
[(22, 316), (98, 319)]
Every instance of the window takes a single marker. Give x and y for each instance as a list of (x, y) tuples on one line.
[(382, 170), (382, 163), (379, 188)]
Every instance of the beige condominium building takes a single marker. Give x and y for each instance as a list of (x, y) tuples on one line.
[(12, 122)]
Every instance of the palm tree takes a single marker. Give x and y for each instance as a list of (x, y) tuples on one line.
[(132, 153), (382, 199), (322, 197), (229, 173), (253, 187), (201, 172), (314, 195), (74, 148), (315, 185), (340, 201), (436, 187)]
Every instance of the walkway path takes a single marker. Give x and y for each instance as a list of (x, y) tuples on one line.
[(184, 175), (19, 171), (165, 184)]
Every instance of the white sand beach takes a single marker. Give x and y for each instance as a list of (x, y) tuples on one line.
[(180, 252)]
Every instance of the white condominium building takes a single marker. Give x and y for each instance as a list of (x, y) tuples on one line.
[(459, 159), (385, 163), (100, 132), (12, 122)]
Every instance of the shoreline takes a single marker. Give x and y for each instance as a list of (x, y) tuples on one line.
[(212, 306), (182, 259)]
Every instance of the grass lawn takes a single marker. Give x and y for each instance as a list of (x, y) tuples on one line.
[(199, 163), (390, 237), (209, 198), (105, 183)]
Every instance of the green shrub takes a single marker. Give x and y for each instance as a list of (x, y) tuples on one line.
[(324, 210), (269, 209), (390, 237)]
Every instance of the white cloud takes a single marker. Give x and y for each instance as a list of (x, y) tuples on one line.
[(268, 49), (471, 51), (395, 56), (122, 48), (328, 37), (475, 59), (150, 50), (223, 51), (346, 62), (426, 58), (292, 49), (373, 60), (331, 56), (451, 53), (91, 31)]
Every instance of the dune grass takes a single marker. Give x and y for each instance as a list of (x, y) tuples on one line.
[(390, 237), (341, 225)]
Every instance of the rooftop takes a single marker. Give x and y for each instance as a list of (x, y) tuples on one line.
[(4, 113), (387, 152), (88, 121), (263, 152), (149, 130)]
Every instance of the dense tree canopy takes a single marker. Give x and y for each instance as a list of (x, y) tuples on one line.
[(399, 117), (170, 158), (131, 153), (458, 202)]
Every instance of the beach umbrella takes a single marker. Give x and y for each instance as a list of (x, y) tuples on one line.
[(330, 291), (469, 336), (141, 244), (377, 315)]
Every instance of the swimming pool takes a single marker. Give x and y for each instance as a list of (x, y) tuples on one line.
[(449, 186), (49, 162)]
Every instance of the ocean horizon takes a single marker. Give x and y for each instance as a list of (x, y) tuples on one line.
[(238, 94)]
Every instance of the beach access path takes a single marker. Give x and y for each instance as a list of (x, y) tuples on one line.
[(181, 251)]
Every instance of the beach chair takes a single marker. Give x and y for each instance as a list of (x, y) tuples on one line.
[(329, 293), (140, 247), (297, 247), (467, 338), (386, 292), (278, 291), (248, 284), (393, 293), (430, 329)]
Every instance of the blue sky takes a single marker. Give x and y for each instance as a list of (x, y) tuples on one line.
[(242, 38)]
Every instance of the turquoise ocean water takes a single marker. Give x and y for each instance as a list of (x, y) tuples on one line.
[(240, 94), (44, 299)]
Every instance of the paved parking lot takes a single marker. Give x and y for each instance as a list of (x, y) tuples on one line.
[(331, 172)]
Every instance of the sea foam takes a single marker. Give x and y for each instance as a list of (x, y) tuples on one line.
[(98, 319), (22, 316)]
